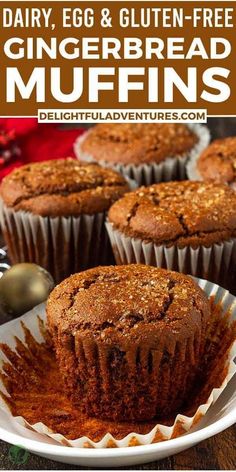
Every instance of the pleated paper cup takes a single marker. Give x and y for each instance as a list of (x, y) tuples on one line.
[(214, 263), (62, 245), (172, 168), (13, 334)]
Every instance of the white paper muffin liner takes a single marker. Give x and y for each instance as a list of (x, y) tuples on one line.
[(172, 168), (191, 168), (14, 329), (62, 245), (212, 263)]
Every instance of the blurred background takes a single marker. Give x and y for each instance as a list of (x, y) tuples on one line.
[(222, 127)]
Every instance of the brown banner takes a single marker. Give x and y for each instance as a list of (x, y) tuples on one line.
[(176, 54)]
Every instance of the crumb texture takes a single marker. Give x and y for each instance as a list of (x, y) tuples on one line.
[(62, 187), (183, 213), (128, 338), (138, 143), (218, 161)]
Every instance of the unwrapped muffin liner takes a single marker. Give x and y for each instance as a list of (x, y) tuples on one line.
[(62, 245), (212, 263), (172, 168), (182, 424)]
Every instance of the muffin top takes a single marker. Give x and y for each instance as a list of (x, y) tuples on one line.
[(62, 187), (181, 213), (137, 143), (133, 302), (218, 161)]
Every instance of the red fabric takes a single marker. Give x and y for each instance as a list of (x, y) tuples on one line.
[(38, 142), (21, 126)]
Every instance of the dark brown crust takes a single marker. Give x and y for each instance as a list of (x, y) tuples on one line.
[(62, 187), (110, 295), (218, 161), (128, 338), (181, 213), (137, 143)]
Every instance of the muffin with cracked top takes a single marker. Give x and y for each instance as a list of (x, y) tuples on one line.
[(128, 339), (146, 152), (53, 214), (185, 226)]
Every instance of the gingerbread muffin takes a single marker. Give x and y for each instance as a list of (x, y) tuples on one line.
[(146, 152), (53, 213), (218, 162), (185, 226), (137, 143), (128, 339)]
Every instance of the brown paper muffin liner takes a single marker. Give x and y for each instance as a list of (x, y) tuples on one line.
[(213, 263), (62, 245), (29, 378), (172, 168)]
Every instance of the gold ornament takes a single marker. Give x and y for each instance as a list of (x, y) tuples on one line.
[(22, 287)]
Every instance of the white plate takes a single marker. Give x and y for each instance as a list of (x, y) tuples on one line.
[(220, 416)]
